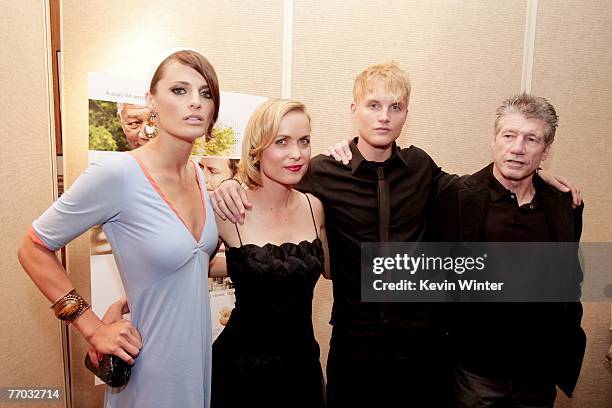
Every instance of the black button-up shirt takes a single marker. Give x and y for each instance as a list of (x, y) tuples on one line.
[(372, 202), (505, 340), (509, 222)]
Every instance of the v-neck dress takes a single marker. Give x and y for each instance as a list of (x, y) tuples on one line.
[(164, 270)]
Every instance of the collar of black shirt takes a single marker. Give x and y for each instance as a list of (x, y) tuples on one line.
[(499, 192), (358, 159)]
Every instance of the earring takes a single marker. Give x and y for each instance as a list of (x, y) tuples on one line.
[(255, 162), (150, 128)]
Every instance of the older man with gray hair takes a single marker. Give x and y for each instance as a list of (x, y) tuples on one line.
[(513, 354), (133, 119)]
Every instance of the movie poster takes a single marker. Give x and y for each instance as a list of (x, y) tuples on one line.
[(117, 119)]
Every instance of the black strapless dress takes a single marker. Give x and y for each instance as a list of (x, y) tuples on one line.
[(267, 355)]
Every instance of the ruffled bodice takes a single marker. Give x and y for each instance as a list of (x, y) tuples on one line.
[(274, 285)]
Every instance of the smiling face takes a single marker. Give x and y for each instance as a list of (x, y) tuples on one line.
[(518, 147), (379, 117), (133, 119), (285, 161), (183, 102)]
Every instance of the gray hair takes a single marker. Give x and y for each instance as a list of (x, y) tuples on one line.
[(530, 106)]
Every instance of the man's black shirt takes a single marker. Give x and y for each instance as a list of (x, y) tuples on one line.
[(373, 202)]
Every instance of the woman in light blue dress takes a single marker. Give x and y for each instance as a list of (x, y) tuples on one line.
[(154, 208)]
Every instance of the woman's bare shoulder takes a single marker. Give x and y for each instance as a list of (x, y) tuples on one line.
[(317, 205)]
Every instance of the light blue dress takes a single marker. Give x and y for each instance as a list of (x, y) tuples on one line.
[(164, 271)]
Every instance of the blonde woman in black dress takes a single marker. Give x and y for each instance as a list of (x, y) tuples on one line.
[(267, 354)]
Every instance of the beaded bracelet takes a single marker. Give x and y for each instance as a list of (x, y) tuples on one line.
[(71, 306)]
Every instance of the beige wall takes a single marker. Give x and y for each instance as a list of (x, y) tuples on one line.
[(573, 67), (30, 335), (464, 57), (450, 49)]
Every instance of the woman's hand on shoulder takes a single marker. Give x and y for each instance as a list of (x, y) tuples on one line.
[(230, 201)]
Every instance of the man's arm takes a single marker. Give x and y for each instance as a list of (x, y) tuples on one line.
[(562, 184), (574, 309), (341, 152), (443, 207)]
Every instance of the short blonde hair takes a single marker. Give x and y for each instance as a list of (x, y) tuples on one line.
[(260, 133), (388, 76)]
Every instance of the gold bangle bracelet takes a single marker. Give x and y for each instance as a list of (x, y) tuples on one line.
[(231, 178), (69, 307)]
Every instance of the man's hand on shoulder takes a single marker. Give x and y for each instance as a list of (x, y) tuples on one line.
[(341, 151), (562, 184)]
